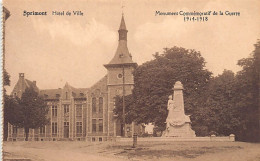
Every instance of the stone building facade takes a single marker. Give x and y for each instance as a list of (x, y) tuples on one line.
[(84, 113)]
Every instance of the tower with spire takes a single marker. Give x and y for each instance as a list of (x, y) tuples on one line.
[(120, 80), (122, 56)]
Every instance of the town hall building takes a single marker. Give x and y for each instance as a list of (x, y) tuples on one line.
[(84, 113)]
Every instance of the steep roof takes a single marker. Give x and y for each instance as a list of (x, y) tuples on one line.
[(101, 84), (31, 84), (122, 55), (80, 92), (51, 93), (56, 93), (22, 84)]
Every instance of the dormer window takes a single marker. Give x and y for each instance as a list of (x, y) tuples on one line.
[(121, 55)]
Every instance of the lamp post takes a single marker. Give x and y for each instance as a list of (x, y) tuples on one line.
[(124, 102)]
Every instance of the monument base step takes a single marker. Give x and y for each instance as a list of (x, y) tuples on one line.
[(230, 138)]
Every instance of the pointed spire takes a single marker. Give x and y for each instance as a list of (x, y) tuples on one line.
[(122, 30), (122, 55), (122, 24)]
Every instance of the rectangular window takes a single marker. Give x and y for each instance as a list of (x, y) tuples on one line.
[(54, 111), (94, 108), (54, 128), (15, 129), (66, 124), (42, 130), (66, 109), (66, 130), (100, 104), (94, 127), (100, 125), (93, 139), (79, 127), (79, 110)]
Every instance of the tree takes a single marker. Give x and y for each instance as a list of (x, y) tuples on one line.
[(232, 104), (154, 81), (30, 112), (10, 111), (6, 78), (248, 95), (130, 114), (219, 114), (7, 101)]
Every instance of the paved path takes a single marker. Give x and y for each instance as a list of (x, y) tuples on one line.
[(43, 154), (84, 151)]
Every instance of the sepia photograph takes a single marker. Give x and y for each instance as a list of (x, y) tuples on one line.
[(92, 80)]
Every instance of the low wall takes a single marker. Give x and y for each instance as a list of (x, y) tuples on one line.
[(210, 138)]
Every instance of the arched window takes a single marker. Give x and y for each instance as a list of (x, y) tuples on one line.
[(100, 105), (94, 108)]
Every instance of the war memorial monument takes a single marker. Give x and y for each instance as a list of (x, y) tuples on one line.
[(177, 123)]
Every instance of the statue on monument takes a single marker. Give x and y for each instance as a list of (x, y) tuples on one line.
[(177, 123), (175, 115)]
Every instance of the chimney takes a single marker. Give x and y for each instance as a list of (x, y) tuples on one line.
[(34, 82), (21, 75)]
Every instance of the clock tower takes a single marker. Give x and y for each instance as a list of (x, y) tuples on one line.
[(120, 80)]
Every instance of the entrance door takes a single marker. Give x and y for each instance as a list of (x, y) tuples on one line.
[(66, 129)]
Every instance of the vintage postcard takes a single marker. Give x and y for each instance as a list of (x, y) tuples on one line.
[(131, 80)]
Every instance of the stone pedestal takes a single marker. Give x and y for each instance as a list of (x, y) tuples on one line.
[(180, 131), (178, 124)]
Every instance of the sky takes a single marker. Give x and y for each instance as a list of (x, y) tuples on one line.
[(54, 50)]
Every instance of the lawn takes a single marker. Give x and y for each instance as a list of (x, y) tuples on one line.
[(179, 151)]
